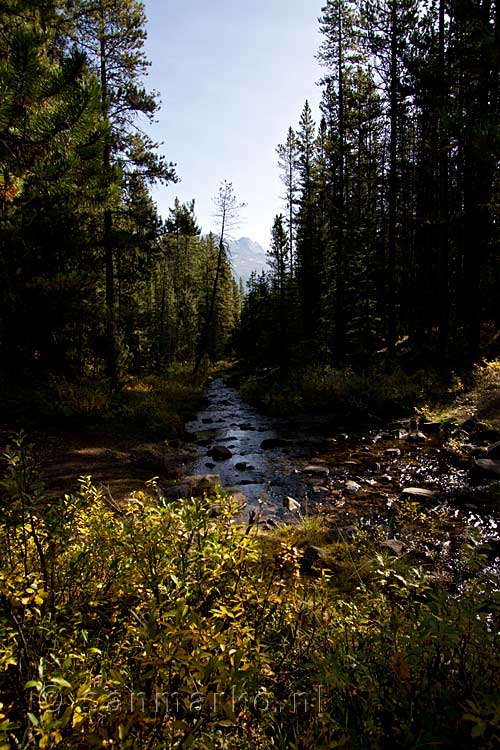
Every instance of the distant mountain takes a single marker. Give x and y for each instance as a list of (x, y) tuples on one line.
[(247, 256)]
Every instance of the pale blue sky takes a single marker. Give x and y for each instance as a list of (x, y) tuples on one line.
[(232, 76)]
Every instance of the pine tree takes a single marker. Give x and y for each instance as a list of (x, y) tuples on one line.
[(308, 262), (227, 213), (388, 25), (112, 33), (278, 255), (288, 162), (49, 118), (338, 52)]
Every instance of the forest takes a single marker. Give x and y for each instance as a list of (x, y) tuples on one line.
[(93, 279), (335, 583), (388, 238)]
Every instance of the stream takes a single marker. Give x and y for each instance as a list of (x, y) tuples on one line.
[(352, 472)]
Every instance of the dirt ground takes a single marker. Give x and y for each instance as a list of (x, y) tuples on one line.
[(120, 469)]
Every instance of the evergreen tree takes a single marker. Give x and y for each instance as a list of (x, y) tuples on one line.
[(308, 262), (112, 33), (288, 162), (48, 131), (277, 259), (388, 25), (227, 213)]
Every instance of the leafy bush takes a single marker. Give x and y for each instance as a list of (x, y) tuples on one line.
[(162, 625)]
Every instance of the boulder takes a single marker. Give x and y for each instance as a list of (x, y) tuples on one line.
[(486, 435), (246, 426), (207, 420), (220, 453), (237, 495), (316, 471), (385, 478), (471, 425), (416, 437), (394, 546), (372, 465), (431, 428), (494, 451), (488, 467), (271, 443), (418, 493), (343, 534), (243, 466), (153, 457), (193, 486), (393, 452), (398, 434), (313, 558), (385, 436)]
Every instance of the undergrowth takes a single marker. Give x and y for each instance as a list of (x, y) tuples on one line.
[(149, 406), (162, 625), (481, 400), (348, 392)]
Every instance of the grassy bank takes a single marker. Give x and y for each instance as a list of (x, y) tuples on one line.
[(480, 401), (161, 626), (147, 407)]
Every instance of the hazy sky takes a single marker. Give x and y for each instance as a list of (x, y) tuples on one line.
[(233, 75)]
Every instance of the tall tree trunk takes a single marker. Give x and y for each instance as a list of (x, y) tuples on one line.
[(443, 261), (393, 186), (340, 270), (205, 334), (111, 354)]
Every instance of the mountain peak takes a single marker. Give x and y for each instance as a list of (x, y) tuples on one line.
[(247, 256)]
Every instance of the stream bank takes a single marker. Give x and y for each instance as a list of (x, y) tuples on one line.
[(361, 473)]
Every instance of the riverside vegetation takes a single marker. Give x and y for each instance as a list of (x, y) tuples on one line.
[(157, 624)]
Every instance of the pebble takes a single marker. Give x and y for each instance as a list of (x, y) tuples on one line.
[(418, 493), (316, 471), (291, 504), (393, 452), (352, 487)]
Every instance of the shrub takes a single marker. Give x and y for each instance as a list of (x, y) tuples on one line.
[(161, 625)]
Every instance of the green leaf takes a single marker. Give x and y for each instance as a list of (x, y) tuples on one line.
[(61, 681), (479, 729), (33, 683)]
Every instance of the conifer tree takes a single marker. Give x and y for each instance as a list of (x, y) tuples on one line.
[(288, 162), (112, 33)]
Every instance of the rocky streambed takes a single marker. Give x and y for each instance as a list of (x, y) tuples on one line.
[(362, 473)]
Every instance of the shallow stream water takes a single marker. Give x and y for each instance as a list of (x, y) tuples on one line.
[(378, 458)]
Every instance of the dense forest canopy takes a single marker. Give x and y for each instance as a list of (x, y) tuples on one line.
[(389, 237), (93, 280)]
